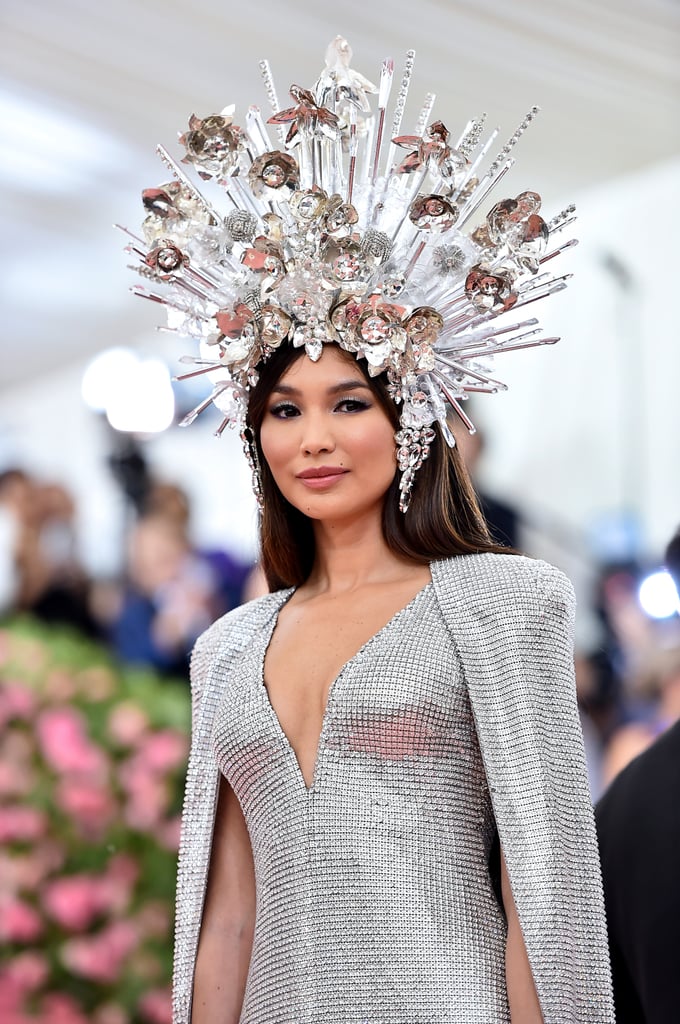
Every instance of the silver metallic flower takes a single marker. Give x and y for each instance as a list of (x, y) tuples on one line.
[(490, 290), (423, 325), (213, 145), (339, 217), (344, 263), (434, 152), (517, 224), (433, 213), (273, 175), (265, 257), (165, 259), (308, 116), (171, 210), (308, 205)]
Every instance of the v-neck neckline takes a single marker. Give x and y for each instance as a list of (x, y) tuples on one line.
[(290, 750)]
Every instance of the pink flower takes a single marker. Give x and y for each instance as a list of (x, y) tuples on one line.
[(73, 901), (11, 1000), (163, 751), (26, 870), (27, 971), (19, 922), (100, 957), (16, 701), (145, 809), (59, 1008), (127, 722), (169, 832), (14, 781), (123, 868), (110, 1013), (89, 803), (156, 1006), (148, 795), (21, 824), (65, 746)]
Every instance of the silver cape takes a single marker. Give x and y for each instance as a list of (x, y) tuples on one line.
[(375, 902)]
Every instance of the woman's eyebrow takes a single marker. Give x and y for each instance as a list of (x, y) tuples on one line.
[(344, 385)]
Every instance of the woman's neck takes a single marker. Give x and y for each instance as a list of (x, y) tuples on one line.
[(350, 555)]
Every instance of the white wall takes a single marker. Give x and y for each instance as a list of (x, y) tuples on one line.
[(591, 426)]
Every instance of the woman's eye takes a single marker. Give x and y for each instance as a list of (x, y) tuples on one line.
[(352, 405), (284, 410)]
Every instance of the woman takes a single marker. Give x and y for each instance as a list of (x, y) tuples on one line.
[(354, 795), (387, 816)]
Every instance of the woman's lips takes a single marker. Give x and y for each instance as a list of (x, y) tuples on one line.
[(320, 477)]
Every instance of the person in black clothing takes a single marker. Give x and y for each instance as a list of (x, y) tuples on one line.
[(638, 823)]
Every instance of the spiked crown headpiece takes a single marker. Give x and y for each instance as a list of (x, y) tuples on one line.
[(330, 235)]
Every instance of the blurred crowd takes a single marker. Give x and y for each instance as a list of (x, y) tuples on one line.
[(171, 589)]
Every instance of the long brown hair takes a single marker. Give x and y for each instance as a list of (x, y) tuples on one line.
[(443, 519)]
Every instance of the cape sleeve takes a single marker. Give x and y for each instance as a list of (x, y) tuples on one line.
[(213, 654), (511, 619)]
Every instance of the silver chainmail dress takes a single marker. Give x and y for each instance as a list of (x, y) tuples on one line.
[(454, 723)]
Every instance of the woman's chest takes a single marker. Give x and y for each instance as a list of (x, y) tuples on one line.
[(399, 706)]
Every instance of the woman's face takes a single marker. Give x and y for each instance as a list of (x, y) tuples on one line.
[(327, 439)]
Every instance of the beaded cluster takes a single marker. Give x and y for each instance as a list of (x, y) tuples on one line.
[(330, 235)]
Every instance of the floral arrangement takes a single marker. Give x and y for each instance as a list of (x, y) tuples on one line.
[(92, 760)]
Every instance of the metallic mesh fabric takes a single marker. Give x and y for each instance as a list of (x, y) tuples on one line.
[(374, 896)]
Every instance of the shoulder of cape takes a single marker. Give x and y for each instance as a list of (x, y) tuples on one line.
[(229, 635), (512, 587)]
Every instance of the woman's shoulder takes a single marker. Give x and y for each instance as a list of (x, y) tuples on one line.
[(504, 579)]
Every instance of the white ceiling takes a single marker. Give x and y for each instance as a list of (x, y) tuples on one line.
[(88, 88)]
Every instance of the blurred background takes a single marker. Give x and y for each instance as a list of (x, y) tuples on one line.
[(135, 533)]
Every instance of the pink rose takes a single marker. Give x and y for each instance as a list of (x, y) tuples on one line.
[(11, 1001), (72, 901), (146, 807), (100, 957), (16, 701), (26, 870), (19, 922), (13, 780), (59, 1008), (163, 751), (127, 722), (110, 1013), (89, 803), (27, 971), (148, 795), (169, 833), (21, 824), (156, 1006), (65, 746), (123, 868)]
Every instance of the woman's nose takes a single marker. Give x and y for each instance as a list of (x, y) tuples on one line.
[(317, 436)]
